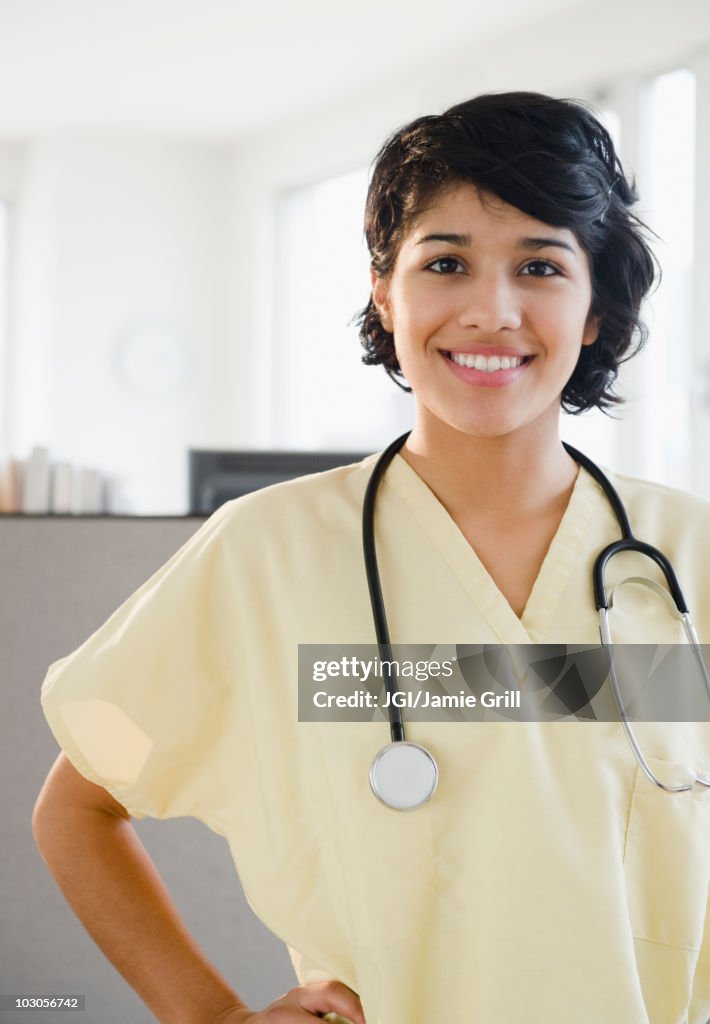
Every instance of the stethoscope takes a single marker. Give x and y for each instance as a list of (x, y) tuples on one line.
[(404, 775)]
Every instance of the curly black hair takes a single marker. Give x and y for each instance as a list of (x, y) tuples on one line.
[(550, 158)]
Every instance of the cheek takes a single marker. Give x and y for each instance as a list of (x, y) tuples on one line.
[(561, 324), (420, 312)]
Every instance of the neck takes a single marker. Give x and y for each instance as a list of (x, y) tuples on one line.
[(502, 479)]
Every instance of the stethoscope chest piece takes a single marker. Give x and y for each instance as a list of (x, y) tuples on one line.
[(403, 775)]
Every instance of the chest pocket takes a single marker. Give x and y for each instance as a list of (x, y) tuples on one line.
[(667, 860)]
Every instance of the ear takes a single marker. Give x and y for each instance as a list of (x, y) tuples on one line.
[(591, 330), (381, 299)]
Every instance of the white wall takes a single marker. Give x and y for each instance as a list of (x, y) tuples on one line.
[(114, 234), (12, 173)]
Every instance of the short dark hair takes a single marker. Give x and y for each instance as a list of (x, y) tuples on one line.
[(550, 158)]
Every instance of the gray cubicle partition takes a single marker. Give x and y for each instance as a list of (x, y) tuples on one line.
[(61, 578)]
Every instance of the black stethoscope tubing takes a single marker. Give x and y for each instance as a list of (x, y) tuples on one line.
[(628, 542)]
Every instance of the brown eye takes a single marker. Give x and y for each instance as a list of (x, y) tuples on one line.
[(447, 265), (541, 268)]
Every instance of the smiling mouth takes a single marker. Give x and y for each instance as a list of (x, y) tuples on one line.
[(487, 364)]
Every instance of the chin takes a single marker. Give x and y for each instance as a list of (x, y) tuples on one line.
[(483, 428)]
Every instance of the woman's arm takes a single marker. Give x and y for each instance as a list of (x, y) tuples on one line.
[(107, 877), (114, 888)]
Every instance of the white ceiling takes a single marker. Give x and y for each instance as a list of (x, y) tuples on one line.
[(220, 68)]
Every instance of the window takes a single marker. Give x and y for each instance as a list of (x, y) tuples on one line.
[(327, 398), (594, 432), (4, 368), (650, 435), (667, 176)]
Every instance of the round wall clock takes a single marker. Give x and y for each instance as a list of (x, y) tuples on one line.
[(152, 358)]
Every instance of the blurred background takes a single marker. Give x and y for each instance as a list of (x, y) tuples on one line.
[(181, 196), (182, 187)]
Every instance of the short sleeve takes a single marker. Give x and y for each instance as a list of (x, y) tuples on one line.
[(140, 708)]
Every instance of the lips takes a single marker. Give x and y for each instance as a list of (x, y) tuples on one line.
[(486, 350)]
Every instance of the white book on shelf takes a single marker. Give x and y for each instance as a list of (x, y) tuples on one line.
[(86, 492), (76, 496), (35, 482), (61, 488), (91, 497)]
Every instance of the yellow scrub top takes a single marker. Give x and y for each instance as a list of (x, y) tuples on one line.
[(547, 880)]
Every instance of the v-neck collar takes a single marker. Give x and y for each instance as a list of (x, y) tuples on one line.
[(562, 555)]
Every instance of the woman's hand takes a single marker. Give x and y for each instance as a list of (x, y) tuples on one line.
[(301, 1005)]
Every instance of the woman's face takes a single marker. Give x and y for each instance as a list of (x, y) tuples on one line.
[(488, 285)]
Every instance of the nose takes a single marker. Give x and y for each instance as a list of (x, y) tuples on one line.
[(491, 303)]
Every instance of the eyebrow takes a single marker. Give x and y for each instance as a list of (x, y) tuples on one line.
[(523, 243)]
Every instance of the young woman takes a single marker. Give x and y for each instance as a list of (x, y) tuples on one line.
[(547, 878)]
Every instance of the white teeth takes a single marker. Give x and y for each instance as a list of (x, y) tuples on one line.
[(489, 364)]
